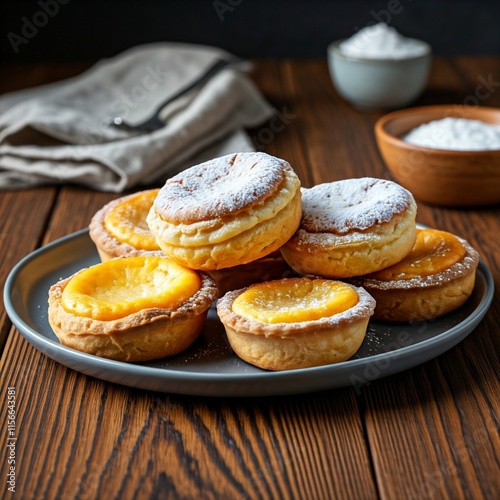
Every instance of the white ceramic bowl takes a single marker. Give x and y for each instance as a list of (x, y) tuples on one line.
[(379, 84)]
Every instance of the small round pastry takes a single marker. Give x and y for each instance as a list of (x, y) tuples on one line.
[(352, 227), (295, 322), (120, 229), (228, 211), (131, 308), (267, 268), (436, 277)]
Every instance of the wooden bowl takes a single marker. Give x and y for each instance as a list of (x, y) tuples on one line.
[(440, 177)]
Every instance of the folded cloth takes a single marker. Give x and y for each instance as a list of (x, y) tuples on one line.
[(61, 133)]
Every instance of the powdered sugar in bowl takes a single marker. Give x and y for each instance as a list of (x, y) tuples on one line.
[(446, 155), (378, 68)]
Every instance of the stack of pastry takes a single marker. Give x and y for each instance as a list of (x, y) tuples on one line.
[(298, 272), (229, 217)]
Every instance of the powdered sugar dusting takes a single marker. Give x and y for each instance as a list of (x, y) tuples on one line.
[(341, 206), (220, 186)]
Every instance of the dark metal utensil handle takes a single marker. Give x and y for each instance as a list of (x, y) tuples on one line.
[(154, 122)]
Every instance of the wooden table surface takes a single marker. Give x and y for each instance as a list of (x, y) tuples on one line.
[(429, 432)]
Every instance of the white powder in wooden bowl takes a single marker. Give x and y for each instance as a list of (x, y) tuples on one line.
[(458, 134)]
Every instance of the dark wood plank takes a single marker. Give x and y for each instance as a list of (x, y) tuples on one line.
[(429, 438), (24, 216), (479, 77), (83, 438), (17, 77), (74, 209), (281, 135)]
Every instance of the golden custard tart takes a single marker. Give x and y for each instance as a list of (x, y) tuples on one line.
[(436, 277), (120, 229), (227, 211), (131, 308), (352, 227), (295, 322)]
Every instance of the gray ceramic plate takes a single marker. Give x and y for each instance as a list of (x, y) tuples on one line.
[(209, 367)]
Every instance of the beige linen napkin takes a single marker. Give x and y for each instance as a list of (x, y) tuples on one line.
[(61, 133)]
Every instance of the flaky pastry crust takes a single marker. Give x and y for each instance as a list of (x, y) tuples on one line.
[(286, 346), (152, 333), (424, 297)]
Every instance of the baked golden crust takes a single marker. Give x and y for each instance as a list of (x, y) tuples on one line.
[(352, 227), (285, 346), (151, 333), (108, 244), (423, 297), (227, 212)]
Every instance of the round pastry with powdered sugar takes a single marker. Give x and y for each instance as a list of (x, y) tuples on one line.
[(352, 227), (228, 211)]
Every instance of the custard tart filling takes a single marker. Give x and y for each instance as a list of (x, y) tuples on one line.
[(120, 229), (294, 300), (119, 287), (126, 220)]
